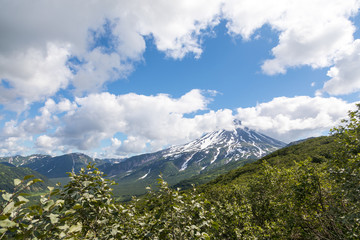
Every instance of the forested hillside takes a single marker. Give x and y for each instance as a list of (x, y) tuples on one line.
[(306, 191), (9, 172), (318, 149)]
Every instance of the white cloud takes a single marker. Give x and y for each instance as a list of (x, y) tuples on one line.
[(33, 75), (12, 139), (99, 69), (132, 145), (311, 33), (153, 122), (15, 134), (289, 119), (38, 37), (345, 75), (48, 145), (12, 146), (177, 25), (149, 122)]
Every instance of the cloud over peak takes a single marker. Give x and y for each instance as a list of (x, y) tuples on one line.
[(289, 119), (155, 120)]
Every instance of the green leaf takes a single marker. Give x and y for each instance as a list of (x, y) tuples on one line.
[(7, 196), (17, 181), (7, 223), (28, 177), (22, 199), (48, 205), (86, 183), (62, 235), (59, 202), (64, 227), (37, 180), (9, 208), (24, 194), (54, 218), (77, 206), (75, 228), (70, 211)]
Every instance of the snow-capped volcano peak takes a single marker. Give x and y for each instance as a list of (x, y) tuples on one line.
[(242, 141), (212, 150)]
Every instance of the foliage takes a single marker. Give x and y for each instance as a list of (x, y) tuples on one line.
[(305, 191)]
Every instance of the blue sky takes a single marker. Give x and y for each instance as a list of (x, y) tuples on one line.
[(123, 78), (228, 65)]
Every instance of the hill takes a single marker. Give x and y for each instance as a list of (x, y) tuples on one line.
[(24, 160), (318, 149), (8, 173), (57, 167)]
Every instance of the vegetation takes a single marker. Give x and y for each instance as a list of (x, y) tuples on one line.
[(287, 195), (9, 172)]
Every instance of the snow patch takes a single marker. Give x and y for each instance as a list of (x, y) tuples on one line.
[(185, 164), (215, 157), (145, 175)]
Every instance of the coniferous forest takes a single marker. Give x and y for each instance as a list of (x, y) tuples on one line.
[(306, 191)]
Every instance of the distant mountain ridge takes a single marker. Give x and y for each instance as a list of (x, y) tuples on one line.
[(207, 153), (241, 143), (181, 162), (57, 167), (23, 160)]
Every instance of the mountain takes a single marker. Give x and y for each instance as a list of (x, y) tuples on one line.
[(241, 143), (298, 141), (319, 149), (21, 160), (57, 167), (177, 163), (209, 156), (9, 172)]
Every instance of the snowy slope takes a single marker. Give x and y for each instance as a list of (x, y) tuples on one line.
[(211, 150), (241, 143)]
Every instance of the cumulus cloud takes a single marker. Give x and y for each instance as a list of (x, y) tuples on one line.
[(290, 119), (12, 146), (149, 122), (311, 33), (46, 46), (345, 75), (12, 139), (33, 75), (38, 37), (14, 134), (142, 118), (177, 25), (98, 69)]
